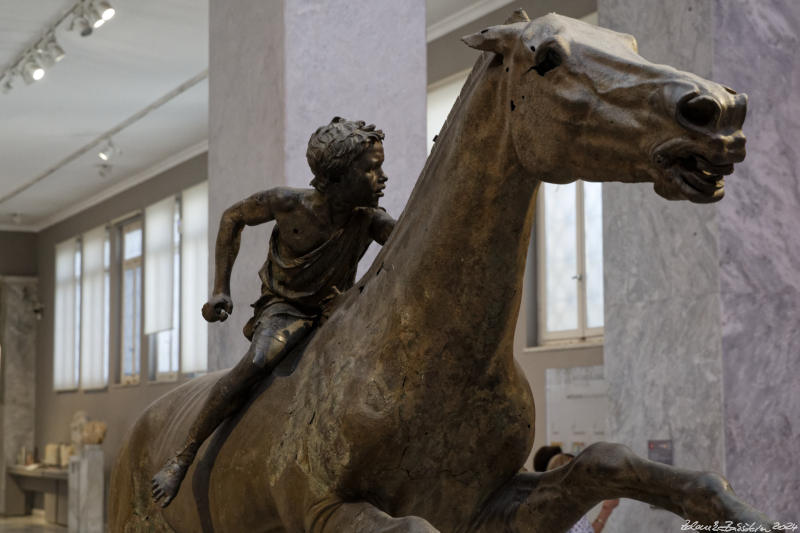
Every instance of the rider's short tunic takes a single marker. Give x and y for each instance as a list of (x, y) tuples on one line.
[(302, 285)]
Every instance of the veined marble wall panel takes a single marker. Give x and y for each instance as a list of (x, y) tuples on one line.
[(662, 347), (676, 32), (18, 375), (645, 405), (279, 70), (662, 340), (760, 255)]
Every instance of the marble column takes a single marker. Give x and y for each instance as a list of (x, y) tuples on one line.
[(755, 49), (702, 301), (277, 71), (18, 298)]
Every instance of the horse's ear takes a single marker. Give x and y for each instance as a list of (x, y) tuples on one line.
[(519, 15), (634, 44), (496, 39)]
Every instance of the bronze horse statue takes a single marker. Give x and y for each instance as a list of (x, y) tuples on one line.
[(407, 411)]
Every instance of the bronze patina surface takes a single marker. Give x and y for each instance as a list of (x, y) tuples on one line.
[(407, 411)]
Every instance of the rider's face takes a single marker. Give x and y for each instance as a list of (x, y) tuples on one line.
[(365, 180)]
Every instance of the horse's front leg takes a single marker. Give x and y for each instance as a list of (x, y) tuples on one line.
[(553, 501), (335, 516)]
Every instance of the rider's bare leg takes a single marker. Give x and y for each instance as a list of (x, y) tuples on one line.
[(271, 342)]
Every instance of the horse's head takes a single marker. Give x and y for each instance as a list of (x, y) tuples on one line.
[(582, 103)]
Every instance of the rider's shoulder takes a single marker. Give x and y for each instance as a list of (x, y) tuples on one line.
[(286, 198)]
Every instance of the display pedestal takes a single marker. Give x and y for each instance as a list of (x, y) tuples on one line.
[(51, 482), (86, 494)]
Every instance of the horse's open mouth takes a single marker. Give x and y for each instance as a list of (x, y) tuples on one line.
[(701, 175), (698, 178)]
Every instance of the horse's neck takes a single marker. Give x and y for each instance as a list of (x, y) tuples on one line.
[(461, 244)]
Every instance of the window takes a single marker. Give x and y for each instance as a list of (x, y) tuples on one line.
[(162, 288), (194, 278), (159, 260), (66, 334), (131, 301), (176, 276), (107, 307), (94, 310), (570, 262)]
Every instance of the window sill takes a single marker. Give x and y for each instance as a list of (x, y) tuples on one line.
[(175, 379), (95, 390), (564, 346), (123, 385), (166, 380)]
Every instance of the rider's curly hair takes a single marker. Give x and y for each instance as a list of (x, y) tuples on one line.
[(333, 148)]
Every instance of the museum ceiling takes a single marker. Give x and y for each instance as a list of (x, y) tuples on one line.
[(146, 51), (139, 80)]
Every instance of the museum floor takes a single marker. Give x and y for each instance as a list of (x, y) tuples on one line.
[(28, 524)]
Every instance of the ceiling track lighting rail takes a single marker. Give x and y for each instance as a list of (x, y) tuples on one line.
[(106, 136), (32, 63)]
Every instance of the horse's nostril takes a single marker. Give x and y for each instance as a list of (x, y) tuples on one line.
[(699, 110)]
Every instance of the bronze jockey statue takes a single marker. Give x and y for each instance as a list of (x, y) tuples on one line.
[(319, 236)]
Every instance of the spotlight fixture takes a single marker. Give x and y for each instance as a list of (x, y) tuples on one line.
[(53, 48), (48, 52), (106, 11), (108, 151), (93, 17), (84, 16), (84, 28), (91, 14), (32, 70)]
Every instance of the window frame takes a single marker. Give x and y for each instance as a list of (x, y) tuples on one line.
[(107, 262), (136, 221), (77, 286), (142, 364)]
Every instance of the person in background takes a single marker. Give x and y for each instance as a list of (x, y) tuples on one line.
[(543, 456)]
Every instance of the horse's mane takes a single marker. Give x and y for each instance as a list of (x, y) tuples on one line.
[(477, 72)]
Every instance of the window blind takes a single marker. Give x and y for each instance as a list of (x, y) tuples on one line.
[(65, 361), (94, 360), (158, 220), (194, 278)]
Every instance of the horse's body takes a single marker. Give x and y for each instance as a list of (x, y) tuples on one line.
[(407, 411)]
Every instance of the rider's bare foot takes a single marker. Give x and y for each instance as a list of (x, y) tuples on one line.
[(168, 480)]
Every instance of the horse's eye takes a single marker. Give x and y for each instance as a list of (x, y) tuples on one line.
[(550, 59)]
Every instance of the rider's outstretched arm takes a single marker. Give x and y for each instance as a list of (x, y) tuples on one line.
[(256, 209)]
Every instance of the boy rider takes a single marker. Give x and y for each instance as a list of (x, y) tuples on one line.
[(319, 236)]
